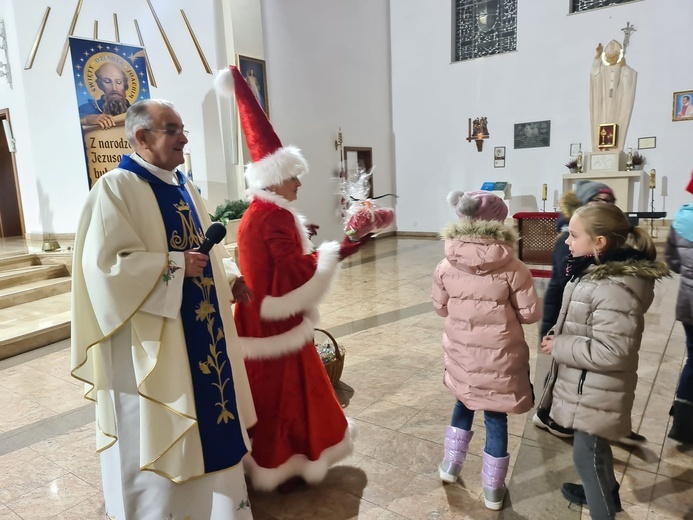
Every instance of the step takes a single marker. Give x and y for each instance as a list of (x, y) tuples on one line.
[(35, 324), (13, 262), (32, 291), (28, 274)]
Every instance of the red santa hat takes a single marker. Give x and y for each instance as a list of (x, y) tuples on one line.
[(689, 188), (271, 163)]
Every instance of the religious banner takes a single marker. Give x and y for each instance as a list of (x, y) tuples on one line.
[(109, 77)]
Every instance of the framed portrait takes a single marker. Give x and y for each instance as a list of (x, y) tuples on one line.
[(499, 157), (607, 135), (647, 142), (575, 149), (682, 109), (255, 74)]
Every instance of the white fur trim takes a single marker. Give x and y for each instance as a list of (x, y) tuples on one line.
[(312, 471), (223, 82), (277, 346), (277, 167), (308, 295)]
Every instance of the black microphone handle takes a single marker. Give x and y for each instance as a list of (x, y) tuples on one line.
[(214, 235), (206, 246)]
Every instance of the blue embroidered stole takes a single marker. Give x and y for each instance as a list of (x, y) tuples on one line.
[(210, 369)]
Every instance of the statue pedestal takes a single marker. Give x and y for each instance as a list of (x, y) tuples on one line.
[(623, 184)]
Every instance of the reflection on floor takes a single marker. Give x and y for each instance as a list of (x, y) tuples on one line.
[(392, 388)]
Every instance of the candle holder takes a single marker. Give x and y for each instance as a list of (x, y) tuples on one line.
[(544, 196), (477, 131), (187, 164), (653, 185)]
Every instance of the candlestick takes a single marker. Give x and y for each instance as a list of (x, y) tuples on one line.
[(187, 164), (544, 192), (653, 179)]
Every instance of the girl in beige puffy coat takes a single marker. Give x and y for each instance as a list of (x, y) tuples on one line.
[(486, 294), (595, 345)]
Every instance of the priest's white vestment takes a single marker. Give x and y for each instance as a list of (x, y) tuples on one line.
[(129, 348)]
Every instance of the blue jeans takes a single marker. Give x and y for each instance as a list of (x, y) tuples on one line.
[(685, 388), (496, 428)]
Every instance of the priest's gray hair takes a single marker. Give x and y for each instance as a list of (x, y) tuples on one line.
[(138, 117)]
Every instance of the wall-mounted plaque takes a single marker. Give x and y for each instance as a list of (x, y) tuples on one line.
[(533, 135)]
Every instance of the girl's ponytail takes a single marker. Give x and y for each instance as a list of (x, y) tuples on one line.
[(642, 241)]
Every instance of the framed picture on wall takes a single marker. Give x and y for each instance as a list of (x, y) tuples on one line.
[(499, 157), (682, 109), (575, 149), (255, 74), (607, 135), (647, 142)]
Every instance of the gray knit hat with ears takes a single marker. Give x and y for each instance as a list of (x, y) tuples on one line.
[(478, 205)]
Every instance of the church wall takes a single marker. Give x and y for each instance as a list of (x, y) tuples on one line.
[(15, 99), (343, 81), (546, 78), (329, 67), (43, 106)]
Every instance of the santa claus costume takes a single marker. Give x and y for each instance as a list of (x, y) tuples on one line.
[(301, 429)]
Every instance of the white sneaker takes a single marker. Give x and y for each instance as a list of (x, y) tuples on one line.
[(553, 428), (633, 439)]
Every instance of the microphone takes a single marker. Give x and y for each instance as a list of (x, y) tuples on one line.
[(215, 234)]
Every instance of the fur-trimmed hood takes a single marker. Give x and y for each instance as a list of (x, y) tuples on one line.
[(646, 269), (479, 229), (568, 203), (637, 275), (479, 246)]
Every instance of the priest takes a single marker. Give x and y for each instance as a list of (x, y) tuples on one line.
[(153, 336)]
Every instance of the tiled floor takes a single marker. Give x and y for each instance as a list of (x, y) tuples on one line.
[(392, 388)]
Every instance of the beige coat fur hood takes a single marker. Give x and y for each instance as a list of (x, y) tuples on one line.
[(596, 344)]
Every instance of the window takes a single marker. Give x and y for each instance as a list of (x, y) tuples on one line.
[(578, 6), (483, 28)]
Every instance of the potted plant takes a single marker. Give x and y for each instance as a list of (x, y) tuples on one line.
[(229, 213), (572, 165), (639, 161)]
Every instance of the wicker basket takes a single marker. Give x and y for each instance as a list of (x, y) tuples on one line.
[(334, 368)]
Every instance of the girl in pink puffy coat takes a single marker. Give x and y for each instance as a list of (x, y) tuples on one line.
[(485, 294)]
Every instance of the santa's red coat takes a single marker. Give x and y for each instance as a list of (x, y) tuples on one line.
[(301, 428)]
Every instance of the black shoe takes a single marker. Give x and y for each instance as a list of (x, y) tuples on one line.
[(575, 494), (682, 424), (633, 439), (546, 423)]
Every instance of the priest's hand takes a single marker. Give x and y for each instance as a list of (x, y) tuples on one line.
[(195, 263), (600, 49), (241, 292)]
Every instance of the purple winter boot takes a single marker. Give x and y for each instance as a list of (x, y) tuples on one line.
[(493, 473), (456, 445)]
